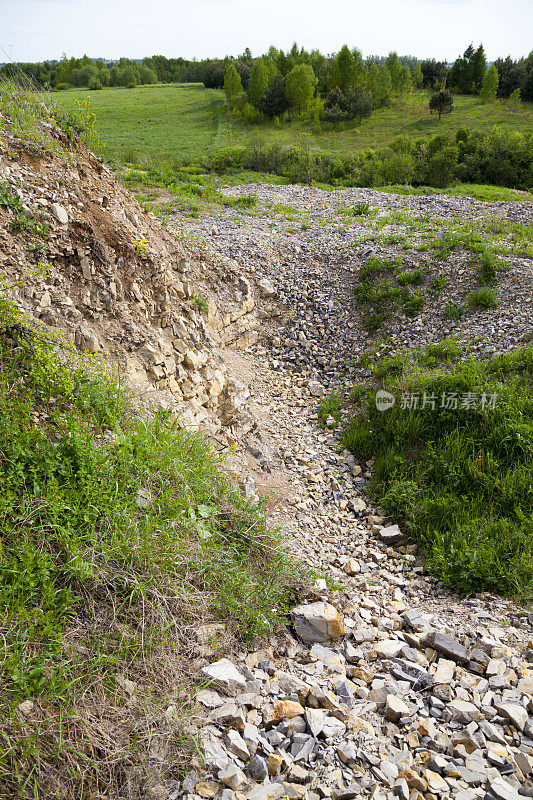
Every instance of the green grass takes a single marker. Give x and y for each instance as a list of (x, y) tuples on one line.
[(186, 120), (121, 532), (458, 480), (488, 194), (382, 290), (330, 407)]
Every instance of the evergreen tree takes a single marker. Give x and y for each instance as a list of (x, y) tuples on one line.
[(441, 103), (515, 100), (258, 81), (232, 85), (478, 68), (274, 101), (489, 86)]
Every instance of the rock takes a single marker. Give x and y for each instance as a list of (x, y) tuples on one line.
[(395, 708), (445, 671), (287, 709), (274, 762), (315, 720), (297, 774), (316, 389), (391, 535), (445, 644), (225, 676), (500, 789), (413, 780), (233, 777), (257, 768), (267, 288), (158, 792), (59, 213), (515, 713), (389, 648), (464, 712), (236, 744), (269, 791), (317, 622)]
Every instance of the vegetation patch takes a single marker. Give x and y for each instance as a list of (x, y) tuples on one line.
[(121, 532), (454, 462), (383, 289)]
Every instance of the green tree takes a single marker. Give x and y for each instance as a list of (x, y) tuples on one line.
[(300, 86), (489, 86), (515, 100), (441, 103), (393, 65), (383, 87), (273, 102), (232, 85), (418, 78), (406, 81), (478, 68), (148, 75), (258, 81), (343, 69)]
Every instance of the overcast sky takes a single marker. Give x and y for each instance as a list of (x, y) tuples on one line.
[(34, 30)]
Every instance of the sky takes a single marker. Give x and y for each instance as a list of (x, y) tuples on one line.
[(36, 30)]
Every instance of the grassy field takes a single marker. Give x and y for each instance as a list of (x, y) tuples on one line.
[(186, 120)]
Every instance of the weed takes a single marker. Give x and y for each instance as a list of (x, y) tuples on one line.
[(201, 303)]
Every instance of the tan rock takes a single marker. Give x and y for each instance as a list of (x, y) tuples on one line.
[(287, 709), (274, 762)]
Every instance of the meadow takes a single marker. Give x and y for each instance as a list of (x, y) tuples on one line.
[(185, 121)]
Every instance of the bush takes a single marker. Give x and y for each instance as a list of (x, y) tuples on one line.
[(456, 471), (94, 84)]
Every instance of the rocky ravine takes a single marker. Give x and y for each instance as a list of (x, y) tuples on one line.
[(391, 686), (388, 687)]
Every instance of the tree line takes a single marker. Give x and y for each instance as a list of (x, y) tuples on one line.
[(358, 85)]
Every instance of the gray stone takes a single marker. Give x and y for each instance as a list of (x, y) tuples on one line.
[(317, 622), (225, 676), (391, 534), (450, 647), (257, 768), (233, 777), (515, 713)]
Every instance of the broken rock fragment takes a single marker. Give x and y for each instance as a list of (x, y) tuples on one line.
[(317, 622)]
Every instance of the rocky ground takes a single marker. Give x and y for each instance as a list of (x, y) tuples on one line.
[(386, 686)]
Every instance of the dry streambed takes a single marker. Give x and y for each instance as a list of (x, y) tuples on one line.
[(386, 686)]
